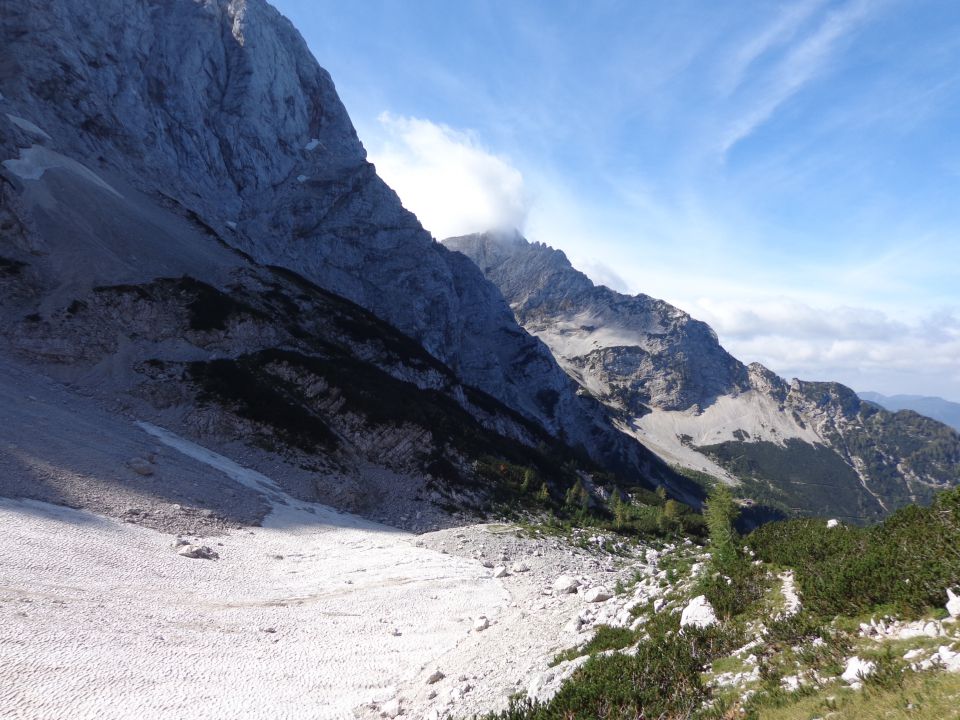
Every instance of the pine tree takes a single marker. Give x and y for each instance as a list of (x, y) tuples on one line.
[(720, 513)]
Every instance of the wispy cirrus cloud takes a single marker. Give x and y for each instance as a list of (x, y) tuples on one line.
[(800, 63), (782, 29)]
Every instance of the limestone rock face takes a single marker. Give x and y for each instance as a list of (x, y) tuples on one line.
[(217, 108), (635, 350)]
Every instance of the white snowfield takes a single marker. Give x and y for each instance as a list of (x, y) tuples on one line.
[(310, 616), (36, 160)]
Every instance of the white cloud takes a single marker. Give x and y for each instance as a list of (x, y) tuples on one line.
[(864, 348), (447, 179)]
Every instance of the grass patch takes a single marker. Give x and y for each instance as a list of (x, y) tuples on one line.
[(923, 696)]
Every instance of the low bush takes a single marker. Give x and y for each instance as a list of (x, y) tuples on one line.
[(662, 680), (906, 562)]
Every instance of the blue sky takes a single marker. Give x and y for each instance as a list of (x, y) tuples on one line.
[(788, 172)]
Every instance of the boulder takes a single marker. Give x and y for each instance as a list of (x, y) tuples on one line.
[(856, 669), (198, 552), (698, 613), (435, 677), (953, 604), (565, 584), (597, 594), (519, 567), (390, 709), (499, 571), (141, 466), (481, 624)]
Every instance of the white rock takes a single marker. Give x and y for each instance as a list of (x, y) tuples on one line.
[(499, 571), (833, 522), (698, 613), (519, 567), (790, 683), (658, 604), (912, 654), (481, 623), (597, 594), (390, 709), (857, 669), (953, 604), (565, 584)]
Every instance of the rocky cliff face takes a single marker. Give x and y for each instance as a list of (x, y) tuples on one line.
[(635, 352), (115, 113), (804, 446)]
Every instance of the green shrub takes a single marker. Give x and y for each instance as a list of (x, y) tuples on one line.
[(732, 583), (906, 562)]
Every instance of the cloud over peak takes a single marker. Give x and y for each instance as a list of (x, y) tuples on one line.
[(447, 178)]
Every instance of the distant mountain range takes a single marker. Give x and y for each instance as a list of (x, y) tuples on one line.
[(807, 447), (935, 407)]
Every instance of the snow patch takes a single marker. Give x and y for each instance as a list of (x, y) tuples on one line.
[(28, 126), (35, 160), (312, 145)]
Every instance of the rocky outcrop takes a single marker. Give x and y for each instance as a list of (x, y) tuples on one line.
[(632, 351)]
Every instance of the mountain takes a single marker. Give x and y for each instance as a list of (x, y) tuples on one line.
[(807, 447), (934, 407), (189, 222)]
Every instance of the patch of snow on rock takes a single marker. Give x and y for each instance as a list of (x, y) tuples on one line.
[(35, 160), (24, 124)]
